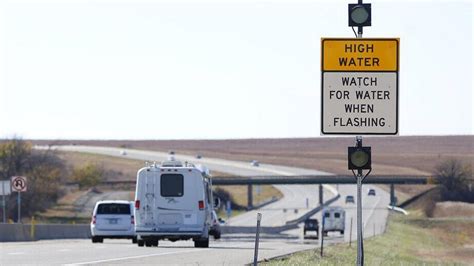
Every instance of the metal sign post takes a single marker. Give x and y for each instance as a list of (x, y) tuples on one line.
[(359, 158), (322, 233), (257, 237), (19, 208), (359, 94)]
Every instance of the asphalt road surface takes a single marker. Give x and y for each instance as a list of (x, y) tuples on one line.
[(232, 249)]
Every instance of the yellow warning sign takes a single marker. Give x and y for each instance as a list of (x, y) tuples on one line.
[(359, 54)]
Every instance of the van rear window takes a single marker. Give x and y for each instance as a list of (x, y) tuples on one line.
[(172, 185), (113, 208)]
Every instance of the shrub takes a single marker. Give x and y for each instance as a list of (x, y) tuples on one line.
[(44, 172), (88, 175), (455, 179)]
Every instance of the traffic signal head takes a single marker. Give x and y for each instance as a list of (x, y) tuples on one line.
[(360, 15), (359, 158)]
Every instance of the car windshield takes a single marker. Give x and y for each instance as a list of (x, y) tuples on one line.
[(113, 208)]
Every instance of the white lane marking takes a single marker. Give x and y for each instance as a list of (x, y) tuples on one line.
[(149, 255), (16, 253), (132, 257)]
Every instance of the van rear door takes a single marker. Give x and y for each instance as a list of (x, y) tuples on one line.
[(179, 198), (113, 216)]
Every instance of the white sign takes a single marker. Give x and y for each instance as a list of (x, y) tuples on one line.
[(5, 188), (360, 103), (18, 183)]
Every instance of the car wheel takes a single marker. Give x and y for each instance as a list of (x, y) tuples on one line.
[(201, 243), (217, 235), (342, 232), (134, 240), (148, 243), (140, 243), (154, 243)]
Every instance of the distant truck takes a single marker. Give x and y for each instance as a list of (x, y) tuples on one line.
[(173, 201), (311, 225), (334, 220)]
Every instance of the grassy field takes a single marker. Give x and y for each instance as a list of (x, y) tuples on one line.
[(412, 240), (401, 155)]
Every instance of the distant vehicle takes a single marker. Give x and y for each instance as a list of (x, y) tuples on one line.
[(113, 219), (311, 225), (334, 220), (215, 230), (254, 163), (349, 199), (371, 192), (171, 152), (174, 201), (198, 156), (122, 152)]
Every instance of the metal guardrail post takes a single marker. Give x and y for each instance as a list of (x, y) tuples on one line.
[(257, 237)]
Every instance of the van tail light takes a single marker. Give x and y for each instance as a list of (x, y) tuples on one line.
[(201, 204), (93, 220), (137, 204), (133, 219)]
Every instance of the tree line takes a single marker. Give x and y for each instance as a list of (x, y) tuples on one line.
[(46, 176)]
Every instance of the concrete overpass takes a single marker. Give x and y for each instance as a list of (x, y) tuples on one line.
[(391, 180)]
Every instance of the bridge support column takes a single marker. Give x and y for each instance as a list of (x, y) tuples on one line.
[(392, 195), (249, 197), (320, 194)]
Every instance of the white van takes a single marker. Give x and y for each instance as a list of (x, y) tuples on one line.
[(112, 219), (334, 220), (173, 201)]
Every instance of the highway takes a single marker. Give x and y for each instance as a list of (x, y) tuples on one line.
[(232, 249), (294, 196)]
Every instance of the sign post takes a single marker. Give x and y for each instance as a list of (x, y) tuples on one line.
[(19, 184), (359, 94), (5, 190), (257, 237)]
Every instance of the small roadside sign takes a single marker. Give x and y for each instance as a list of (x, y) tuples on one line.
[(5, 189), (18, 183)]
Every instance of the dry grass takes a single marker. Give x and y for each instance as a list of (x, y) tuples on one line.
[(116, 168), (408, 241), (391, 155), (454, 209), (239, 194), (413, 155)]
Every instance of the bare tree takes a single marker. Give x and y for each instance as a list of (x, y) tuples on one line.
[(455, 178), (42, 168)]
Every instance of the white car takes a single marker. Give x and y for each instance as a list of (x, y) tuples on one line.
[(113, 219), (122, 152), (254, 163)]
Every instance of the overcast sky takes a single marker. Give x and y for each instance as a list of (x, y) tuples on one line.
[(228, 69)]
